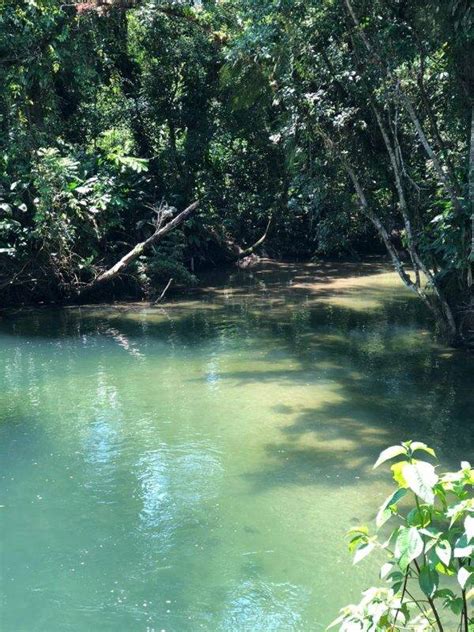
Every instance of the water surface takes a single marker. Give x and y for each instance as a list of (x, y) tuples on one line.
[(196, 466)]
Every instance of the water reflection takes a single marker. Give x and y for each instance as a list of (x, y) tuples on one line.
[(102, 435), (123, 341), (258, 606), (174, 482)]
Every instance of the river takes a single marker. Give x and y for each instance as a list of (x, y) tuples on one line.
[(196, 465)]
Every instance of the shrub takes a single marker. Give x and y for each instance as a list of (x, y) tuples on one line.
[(429, 567)]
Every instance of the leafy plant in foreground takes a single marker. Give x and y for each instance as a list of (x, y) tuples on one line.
[(430, 565)]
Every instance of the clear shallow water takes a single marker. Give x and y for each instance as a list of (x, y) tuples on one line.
[(197, 466)]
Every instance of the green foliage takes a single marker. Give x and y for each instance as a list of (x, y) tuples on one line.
[(429, 551), (105, 110), (168, 261)]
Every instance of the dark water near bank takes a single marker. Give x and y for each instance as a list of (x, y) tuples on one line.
[(196, 466)]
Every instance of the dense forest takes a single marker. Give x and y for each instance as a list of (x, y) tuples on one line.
[(143, 140)]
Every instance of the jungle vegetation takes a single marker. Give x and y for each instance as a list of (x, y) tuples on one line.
[(143, 140)]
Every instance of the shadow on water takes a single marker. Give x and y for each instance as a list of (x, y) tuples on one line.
[(384, 396), (369, 340)]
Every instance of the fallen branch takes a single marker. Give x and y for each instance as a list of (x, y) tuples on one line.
[(140, 248), (233, 250), (162, 295)]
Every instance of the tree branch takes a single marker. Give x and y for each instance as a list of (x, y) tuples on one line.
[(138, 250), (162, 295), (233, 249)]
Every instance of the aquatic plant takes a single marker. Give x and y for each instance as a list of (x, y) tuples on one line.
[(429, 565)]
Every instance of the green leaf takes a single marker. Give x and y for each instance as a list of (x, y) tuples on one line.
[(456, 605), (363, 551), (469, 527), (444, 551), (363, 530), (396, 578), (357, 535), (390, 453), (409, 545), (385, 510), (463, 576), (419, 445), (398, 474), (444, 570), (428, 580), (456, 511), (421, 478), (444, 593), (419, 517), (462, 548)]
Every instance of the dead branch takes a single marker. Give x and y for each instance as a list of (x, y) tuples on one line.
[(162, 295), (140, 248), (232, 249)]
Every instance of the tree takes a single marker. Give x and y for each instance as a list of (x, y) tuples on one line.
[(377, 92), (348, 121)]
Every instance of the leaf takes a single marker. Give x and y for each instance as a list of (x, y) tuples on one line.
[(444, 570), (357, 534), (390, 453), (419, 517), (456, 511), (428, 580), (419, 445), (363, 551), (361, 530), (409, 545), (396, 578), (463, 576), (457, 605), (421, 478), (385, 569), (443, 551), (469, 527), (6, 207), (398, 474), (385, 510), (462, 548)]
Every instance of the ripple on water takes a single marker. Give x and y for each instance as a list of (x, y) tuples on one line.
[(175, 481)]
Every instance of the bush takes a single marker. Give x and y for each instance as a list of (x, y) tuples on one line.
[(430, 566)]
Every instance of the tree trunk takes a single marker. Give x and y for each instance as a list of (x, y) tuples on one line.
[(471, 199), (444, 313), (412, 249), (406, 101)]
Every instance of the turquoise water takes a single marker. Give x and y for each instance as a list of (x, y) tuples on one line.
[(196, 466)]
